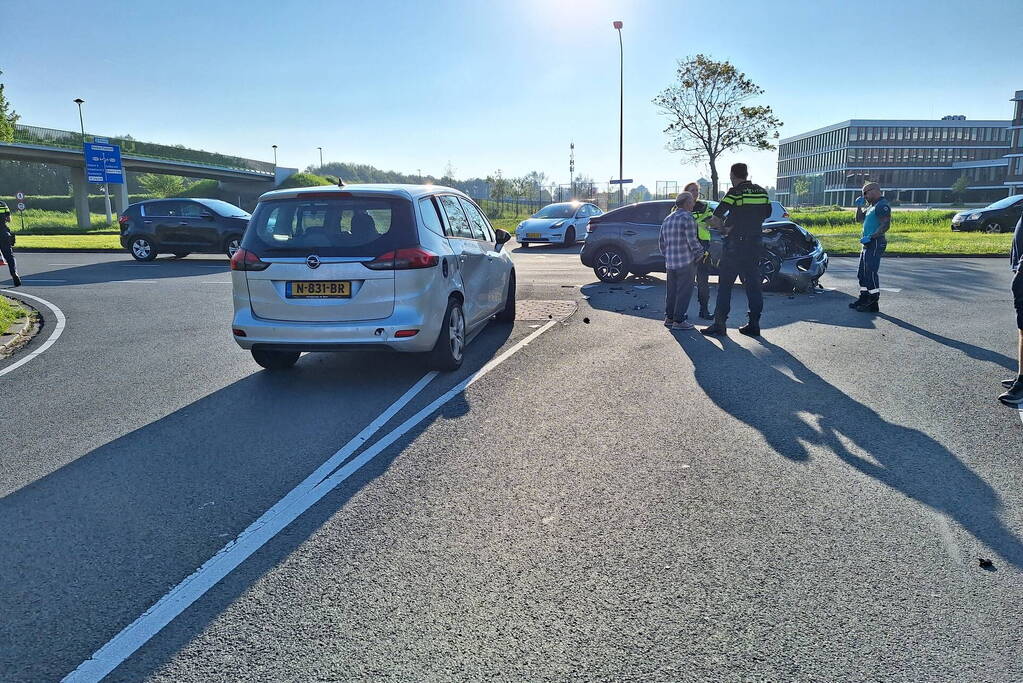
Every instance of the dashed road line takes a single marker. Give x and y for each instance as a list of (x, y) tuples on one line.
[(273, 521), (58, 330)]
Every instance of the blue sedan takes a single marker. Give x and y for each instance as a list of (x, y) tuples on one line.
[(562, 223)]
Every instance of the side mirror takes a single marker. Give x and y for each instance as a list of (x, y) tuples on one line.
[(502, 236)]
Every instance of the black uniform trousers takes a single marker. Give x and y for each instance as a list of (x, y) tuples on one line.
[(741, 257)]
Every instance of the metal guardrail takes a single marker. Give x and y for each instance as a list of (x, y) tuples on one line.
[(65, 139)]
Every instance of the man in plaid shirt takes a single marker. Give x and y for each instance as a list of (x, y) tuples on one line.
[(682, 251)]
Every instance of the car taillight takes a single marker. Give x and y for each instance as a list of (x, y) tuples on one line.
[(244, 259), (591, 226), (122, 219), (404, 259)]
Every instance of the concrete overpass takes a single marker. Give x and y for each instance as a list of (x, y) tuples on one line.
[(64, 148)]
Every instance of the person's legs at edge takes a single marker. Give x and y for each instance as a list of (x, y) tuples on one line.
[(860, 277), (726, 278), (8, 254), (703, 288), (1014, 395), (683, 295), (752, 283), (871, 265), (670, 294)]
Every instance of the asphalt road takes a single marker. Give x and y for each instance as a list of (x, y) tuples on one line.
[(613, 501)]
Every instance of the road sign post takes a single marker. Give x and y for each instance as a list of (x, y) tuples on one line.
[(20, 196), (103, 165)]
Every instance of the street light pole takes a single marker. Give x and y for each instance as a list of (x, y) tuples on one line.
[(106, 190), (621, 113), (321, 158)]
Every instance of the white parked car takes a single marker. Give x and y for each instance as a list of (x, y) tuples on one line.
[(414, 268), (561, 223)]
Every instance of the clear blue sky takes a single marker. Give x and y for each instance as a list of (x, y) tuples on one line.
[(491, 85)]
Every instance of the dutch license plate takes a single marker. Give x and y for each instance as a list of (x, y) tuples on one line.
[(319, 289), (533, 235)]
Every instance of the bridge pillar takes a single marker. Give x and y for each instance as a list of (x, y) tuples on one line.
[(80, 189), (120, 197)]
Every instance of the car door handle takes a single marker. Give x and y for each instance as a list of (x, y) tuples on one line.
[(629, 232)]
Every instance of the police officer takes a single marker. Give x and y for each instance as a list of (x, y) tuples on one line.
[(741, 216), (701, 213), (7, 242)]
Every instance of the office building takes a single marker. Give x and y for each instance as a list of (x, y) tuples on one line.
[(916, 162)]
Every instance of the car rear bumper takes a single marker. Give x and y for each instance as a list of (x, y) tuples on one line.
[(804, 271), (278, 335)]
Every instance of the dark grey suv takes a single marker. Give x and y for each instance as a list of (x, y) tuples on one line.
[(627, 240), (182, 226)]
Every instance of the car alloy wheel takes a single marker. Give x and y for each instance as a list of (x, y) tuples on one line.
[(142, 249), (456, 333), (233, 245), (992, 227), (611, 266), (570, 237)]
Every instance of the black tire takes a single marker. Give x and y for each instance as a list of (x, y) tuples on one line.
[(570, 237), (275, 360), (507, 314), (611, 265), (524, 245), (143, 249), (181, 254), (449, 350), (770, 269), (993, 227), (232, 244)]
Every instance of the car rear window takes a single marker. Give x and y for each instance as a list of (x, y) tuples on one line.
[(343, 226)]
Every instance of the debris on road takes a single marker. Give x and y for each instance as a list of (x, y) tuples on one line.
[(985, 563), (586, 320)]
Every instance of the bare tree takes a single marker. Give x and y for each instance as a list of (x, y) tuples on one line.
[(708, 116)]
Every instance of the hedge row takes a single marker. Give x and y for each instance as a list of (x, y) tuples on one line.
[(65, 203)]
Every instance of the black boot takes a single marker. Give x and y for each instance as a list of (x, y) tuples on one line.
[(705, 313), (718, 328), (862, 300), (870, 305), (752, 328), (17, 280)]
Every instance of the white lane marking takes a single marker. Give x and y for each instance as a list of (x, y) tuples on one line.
[(890, 289), (272, 522), (58, 330), (27, 280)]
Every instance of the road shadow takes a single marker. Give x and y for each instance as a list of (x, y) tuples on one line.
[(805, 410), (88, 548), (125, 270), (519, 248), (949, 278)]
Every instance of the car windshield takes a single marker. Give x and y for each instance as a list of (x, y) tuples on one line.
[(556, 211), (225, 209), (1005, 203), (330, 226)]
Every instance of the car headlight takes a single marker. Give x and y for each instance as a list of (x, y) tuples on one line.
[(974, 216), (557, 225)]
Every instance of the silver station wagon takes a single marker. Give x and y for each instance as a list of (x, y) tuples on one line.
[(412, 268)]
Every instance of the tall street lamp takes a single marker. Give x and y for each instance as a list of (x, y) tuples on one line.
[(321, 158), (106, 190), (621, 112), (275, 156)]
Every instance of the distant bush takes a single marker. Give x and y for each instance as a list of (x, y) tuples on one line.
[(208, 189), (303, 180), (65, 203), (936, 219)]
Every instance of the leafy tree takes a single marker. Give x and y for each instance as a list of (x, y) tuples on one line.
[(7, 117), (161, 185), (638, 194), (303, 180), (800, 188), (959, 187), (708, 113)]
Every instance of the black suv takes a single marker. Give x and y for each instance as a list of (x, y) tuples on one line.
[(181, 226), (998, 217)]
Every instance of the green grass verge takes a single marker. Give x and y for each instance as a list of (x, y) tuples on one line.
[(40, 222), (913, 233), (9, 313), (69, 242)]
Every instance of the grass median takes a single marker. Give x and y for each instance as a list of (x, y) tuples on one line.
[(9, 313)]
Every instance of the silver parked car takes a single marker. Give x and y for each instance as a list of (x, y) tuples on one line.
[(562, 223), (415, 268)]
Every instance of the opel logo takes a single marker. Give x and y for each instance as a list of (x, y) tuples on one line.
[(313, 261)]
